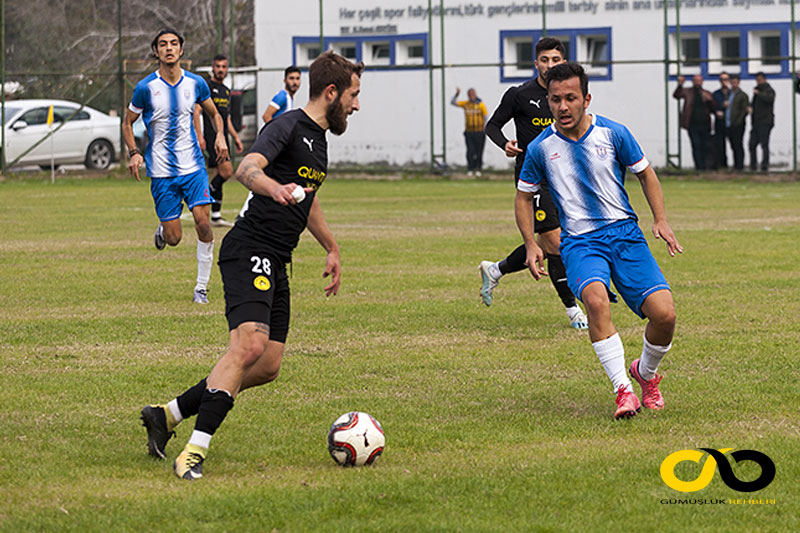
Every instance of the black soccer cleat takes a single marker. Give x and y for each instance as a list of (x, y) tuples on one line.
[(154, 419)]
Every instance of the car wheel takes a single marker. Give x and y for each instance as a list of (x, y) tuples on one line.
[(99, 155)]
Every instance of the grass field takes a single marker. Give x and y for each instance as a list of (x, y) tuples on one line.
[(497, 419)]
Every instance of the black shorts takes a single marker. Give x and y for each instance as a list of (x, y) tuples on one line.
[(545, 212), (211, 151), (256, 287)]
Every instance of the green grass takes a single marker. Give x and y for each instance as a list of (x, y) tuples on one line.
[(496, 419)]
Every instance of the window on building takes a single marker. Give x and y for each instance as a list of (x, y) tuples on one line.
[(346, 50), (410, 53), (729, 50), (597, 51), (771, 50), (307, 53), (523, 56), (690, 51), (380, 51)]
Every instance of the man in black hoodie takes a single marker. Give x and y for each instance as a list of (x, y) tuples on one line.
[(762, 120)]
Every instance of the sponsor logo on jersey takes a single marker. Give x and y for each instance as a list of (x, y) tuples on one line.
[(187, 93), (261, 283), (540, 215), (554, 156), (602, 152), (537, 103), (310, 143), (313, 177), (538, 121)]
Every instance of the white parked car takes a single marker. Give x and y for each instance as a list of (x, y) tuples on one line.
[(89, 137)]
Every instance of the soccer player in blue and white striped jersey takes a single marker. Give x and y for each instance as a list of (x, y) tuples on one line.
[(583, 159), (174, 162)]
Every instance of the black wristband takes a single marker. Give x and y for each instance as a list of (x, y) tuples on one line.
[(133, 152)]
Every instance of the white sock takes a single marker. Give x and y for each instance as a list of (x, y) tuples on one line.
[(205, 257), (200, 438), (573, 311), (652, 355), (175, 410), (612, 357), (494, 272)]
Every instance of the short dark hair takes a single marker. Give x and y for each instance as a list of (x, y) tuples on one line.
[(289, 70), (219, 57), (331, 68), (565, 71), (549, 43), (734, 76), (760, 73), (154, 44)]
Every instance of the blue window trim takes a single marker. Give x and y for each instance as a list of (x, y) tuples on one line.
[(361, 40), (785, 29), (572, 33)]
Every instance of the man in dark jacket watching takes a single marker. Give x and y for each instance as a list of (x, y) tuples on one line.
[(696, 117), (762, 120), (735, 113)]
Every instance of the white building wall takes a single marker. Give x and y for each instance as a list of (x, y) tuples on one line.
[(393, 125)]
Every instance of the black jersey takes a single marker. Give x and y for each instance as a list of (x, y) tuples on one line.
[(527, 105), (297, 152), (221, 96)]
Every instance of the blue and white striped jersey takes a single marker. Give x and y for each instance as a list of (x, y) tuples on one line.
[(172, 149), (283, 102), (586, 177)]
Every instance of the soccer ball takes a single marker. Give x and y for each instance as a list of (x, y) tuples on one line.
[(355, 439)]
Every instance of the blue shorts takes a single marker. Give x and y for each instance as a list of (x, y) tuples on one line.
[(168, 193), (617, 253)]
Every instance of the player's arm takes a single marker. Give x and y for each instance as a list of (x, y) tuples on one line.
[(320, 230), (136, 160), (500, 117), (216, 120), (251, 174), (655, 199), (197, 130), (267, 116), (236, 140), (454, 100)]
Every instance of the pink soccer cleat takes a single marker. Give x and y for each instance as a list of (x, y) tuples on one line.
[(627, 403), (651, 396)]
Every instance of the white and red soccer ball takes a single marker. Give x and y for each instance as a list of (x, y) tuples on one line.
[(356, 439)]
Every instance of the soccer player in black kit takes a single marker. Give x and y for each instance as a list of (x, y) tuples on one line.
[(221, 96), (290, 153), (527, 105)]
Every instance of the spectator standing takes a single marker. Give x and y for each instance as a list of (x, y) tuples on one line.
[(696, 117), (762, 120), (735, 114), (475, 117), (720, 130)]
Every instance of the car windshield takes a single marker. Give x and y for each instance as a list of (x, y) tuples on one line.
[(10, 112)]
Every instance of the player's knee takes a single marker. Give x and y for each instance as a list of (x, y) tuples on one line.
[(595, 302), (250, 350), (664, 318), (204, 231), (173, 238)]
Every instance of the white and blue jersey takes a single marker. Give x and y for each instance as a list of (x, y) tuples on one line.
[(167, 109), (282, 101), (586, 177)]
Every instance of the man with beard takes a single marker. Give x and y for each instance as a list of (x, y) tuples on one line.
[(173, 159), (283, 170), (283, 100), (221, 95), (526, 104)]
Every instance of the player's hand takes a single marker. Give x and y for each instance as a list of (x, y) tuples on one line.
[(535, 262), (458, 91), (283, 194), (662, 230), (222, 149), (512, 150), (333, 268), (134, 163), (681, 80), (239, 145), (202, 142)]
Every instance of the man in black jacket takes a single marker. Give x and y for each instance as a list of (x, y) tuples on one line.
[(762, 120)]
